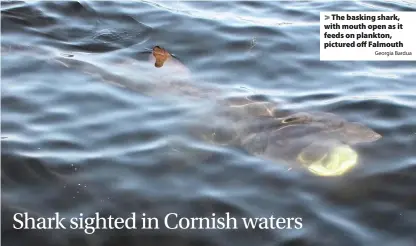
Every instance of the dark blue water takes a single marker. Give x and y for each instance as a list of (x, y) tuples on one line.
[(73, 143)]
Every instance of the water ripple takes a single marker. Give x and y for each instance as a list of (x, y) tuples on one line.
[(73, 144)]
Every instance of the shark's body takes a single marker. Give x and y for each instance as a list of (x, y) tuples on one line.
[(258, 126)]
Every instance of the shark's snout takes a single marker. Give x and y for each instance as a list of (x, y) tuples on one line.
[(357, 133), (376, 136)]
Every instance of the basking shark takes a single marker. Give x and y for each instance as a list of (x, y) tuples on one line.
[(321, 142)]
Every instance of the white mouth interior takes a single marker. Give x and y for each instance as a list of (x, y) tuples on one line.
[(340, 160)]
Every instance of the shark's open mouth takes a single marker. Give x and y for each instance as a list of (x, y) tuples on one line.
[(337, 162)]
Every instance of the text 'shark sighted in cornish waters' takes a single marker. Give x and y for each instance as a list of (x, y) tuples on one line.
[(172, 221)]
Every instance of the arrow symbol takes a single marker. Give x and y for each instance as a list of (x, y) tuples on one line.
[(326, 17)]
